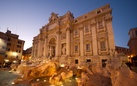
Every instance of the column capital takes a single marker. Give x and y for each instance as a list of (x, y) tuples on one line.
[(68, 29), (93, 22), (81, 28), (46, 36), (108, 17)]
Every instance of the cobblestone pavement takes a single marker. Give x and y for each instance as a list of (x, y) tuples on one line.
[(6, 77)]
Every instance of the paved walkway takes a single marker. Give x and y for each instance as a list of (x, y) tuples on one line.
[(6, 77)]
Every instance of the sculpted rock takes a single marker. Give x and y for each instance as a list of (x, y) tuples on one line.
[(126, 77), (22, 69), (63, 75), (69, 74), (14, 67), (55, 79)]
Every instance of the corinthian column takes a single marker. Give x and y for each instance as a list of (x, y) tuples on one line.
[(68, 42), (57, 44), (45, 47)]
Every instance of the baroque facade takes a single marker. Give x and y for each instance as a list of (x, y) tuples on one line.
[(87, 38)]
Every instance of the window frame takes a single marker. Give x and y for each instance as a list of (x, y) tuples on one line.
[(102, 45), (76, 49), (87, 46)]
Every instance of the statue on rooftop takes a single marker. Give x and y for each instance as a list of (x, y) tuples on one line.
[(53, 17)]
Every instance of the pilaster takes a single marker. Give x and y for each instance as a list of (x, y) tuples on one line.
[(58, 50), (94, 38), (81, 42), (45, 47)]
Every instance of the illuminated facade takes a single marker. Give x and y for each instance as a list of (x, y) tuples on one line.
[(87, 38), (14, 46), (27, 54), (3, 45)]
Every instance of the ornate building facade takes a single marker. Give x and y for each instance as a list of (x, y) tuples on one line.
[(87, 38)]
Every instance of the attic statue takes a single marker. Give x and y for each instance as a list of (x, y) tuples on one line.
[(53, 17)]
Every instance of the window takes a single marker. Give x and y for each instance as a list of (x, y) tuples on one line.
[(3, 47), (85, 17), (18, 46), (63, 36), (9, 44), (17, 57), (6, 55), (98, 11), (102, 46), (88, 47), (100, 24), (86, 29), (76, 32), (20, 42), (9, 39), (88, 60), (8, 49), (76, 61), (16, 50), (76, 48), (104, 62)]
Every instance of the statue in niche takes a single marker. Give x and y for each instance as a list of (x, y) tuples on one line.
[(53, 17), (63, 49), (51, 52)]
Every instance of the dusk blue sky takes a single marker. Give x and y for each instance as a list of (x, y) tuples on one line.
[(26, 17)]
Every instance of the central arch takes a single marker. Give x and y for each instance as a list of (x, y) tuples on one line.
[(52, 48)]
